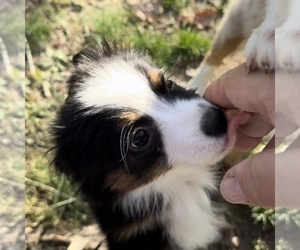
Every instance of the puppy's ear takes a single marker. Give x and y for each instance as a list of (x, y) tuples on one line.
[(87, 55), (77, 58)]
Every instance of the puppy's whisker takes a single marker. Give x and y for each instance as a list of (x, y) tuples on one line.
[(166, 70), (124, 144)]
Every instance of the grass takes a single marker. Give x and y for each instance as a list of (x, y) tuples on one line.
[(50, 197), (39, 27), (118, 24), (11, 123), (175, 6), (12, 27), (11, 153), (265, 217)]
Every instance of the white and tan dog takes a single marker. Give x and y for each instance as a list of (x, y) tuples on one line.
[(273, 29)]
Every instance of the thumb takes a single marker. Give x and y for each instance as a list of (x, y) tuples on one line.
[(251, 181)]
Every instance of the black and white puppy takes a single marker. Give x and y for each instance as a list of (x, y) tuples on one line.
[(142, 149)]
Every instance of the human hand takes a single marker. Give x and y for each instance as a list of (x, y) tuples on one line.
[(251, 181)]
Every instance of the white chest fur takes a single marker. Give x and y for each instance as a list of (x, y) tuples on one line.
[(188, 214)]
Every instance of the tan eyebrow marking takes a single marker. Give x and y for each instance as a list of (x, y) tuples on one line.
[(155, 76)]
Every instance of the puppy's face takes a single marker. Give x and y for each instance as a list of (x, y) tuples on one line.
[(125, 123)]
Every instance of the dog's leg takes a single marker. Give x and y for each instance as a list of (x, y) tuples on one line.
[(287, 37), (240, 19), (260, 48)]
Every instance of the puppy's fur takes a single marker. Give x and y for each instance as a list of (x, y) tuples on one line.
[(143, 150), (263, 22)]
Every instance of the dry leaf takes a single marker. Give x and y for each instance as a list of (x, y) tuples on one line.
[(204, 18), (201, 19)]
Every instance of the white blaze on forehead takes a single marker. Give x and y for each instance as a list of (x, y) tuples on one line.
[(121, 84), (117, 84)]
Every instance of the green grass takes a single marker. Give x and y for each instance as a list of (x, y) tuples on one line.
[(39, 27), (259, 244), (11, 148), (12, 27), (51, 197), (175, 6), (118, 25), (41, 21), (265, 217)]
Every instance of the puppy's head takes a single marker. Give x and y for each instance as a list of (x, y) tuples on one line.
[(125, 123)]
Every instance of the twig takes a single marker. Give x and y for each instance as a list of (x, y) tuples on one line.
[(79, 243), (63, 203), (55, 238), (13, 183), (29, 57), (48, 188)]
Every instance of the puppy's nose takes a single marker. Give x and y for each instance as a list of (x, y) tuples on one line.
[(214, 122)]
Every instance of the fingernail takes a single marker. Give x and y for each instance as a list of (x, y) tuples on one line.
[(232, 192)]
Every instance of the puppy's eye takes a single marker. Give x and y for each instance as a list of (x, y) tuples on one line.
[(170, 84), (140, 138)]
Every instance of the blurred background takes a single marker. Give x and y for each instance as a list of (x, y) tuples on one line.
[(12, 124)]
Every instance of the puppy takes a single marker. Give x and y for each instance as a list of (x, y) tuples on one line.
[(143, 151), (262, 22)]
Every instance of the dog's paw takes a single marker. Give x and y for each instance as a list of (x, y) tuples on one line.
[(287, 46), (260, 48)]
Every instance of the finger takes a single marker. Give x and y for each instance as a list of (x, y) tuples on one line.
[(287, 95), (237, 89), (288, 178), (284, 125), (257, 126), (245, 143), (251, 133), (279, 140), (252, 181), (295, 143)]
